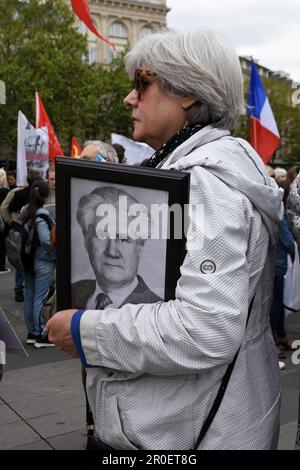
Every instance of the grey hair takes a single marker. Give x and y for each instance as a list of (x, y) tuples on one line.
[(89, 203), (104, 148), (200, 64)]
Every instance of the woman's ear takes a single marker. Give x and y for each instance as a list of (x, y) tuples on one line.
[(189, 101)]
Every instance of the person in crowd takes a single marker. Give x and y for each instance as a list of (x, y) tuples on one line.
[(293, 211), (280, 174), (156, 369), (115, 260), (21, 197), (270, 171), (120, 153), (293, 208), (284, 247), (292, 173), (99, 151), (39, 279), (18, 198), (4, 189), (12, 179), (50, 176)]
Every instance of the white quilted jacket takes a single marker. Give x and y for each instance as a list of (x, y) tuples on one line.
[(159, 366)]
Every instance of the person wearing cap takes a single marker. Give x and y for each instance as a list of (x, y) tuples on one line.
[(114, 258)]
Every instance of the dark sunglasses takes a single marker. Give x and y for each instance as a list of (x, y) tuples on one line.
[(143, 78)]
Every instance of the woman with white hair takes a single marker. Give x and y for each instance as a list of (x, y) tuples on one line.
[(159, 371)]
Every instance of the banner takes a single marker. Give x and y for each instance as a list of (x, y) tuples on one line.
[(135, 152), (33, 149), (76, 150), (82, 10), (42, 120)]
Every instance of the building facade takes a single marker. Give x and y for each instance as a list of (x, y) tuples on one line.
[(123, 22)]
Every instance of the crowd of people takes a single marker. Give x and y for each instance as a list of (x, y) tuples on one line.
[(286, 246), (200, 371), (35, 204)]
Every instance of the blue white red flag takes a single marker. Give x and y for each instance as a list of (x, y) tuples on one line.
[(264, 136)]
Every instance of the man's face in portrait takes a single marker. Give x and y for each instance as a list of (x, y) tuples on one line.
[(114, 261)]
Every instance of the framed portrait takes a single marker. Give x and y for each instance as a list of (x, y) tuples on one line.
[(120, 233)]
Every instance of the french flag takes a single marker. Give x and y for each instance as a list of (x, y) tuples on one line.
[(264, 134)]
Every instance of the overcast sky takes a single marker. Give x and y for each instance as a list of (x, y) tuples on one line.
[(269, 30)]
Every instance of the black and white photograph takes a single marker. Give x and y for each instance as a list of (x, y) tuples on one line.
[(114, 265), (118, 246)]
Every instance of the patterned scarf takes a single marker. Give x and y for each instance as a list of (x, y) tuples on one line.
[(173, 143)]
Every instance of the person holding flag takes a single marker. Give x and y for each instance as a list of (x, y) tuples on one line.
[(264, 137)]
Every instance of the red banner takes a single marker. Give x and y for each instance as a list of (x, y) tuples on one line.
[(42, 120), (82, 10), (76, 150)]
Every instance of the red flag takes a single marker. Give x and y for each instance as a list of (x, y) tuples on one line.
[(82, 10), (76, 150), (42, 120)]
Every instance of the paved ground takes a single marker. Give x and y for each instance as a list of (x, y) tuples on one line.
[(41, 397)]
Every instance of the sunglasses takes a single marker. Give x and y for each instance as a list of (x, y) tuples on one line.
[(143, 78)]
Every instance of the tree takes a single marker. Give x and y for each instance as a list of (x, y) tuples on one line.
[(41, 50)]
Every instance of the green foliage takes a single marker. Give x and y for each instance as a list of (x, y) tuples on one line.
[(40, 50), (287, 118)]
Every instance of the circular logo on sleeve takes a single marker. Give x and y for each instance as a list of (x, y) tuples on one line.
[(208, 267)]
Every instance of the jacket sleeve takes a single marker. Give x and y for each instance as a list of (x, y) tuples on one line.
[(44, 236), (204, 325), (286, 238)]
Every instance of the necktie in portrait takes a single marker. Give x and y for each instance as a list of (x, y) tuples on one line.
[(102, 301)]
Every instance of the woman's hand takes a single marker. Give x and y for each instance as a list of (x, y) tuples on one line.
[(58, 329)]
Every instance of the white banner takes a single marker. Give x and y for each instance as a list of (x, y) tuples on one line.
[(33, 148), (135, 152)]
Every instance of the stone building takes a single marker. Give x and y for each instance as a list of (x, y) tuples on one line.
[(122, 22)]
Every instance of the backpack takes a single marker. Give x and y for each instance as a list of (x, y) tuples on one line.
[(22, 241)]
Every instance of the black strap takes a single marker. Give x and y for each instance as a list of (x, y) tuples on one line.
[(88, 411), (221, 392), (46, 219)]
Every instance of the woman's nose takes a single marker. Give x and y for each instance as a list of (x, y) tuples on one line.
[(131, 99)]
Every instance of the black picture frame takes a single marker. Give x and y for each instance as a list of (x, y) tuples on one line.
[(173, 184)]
